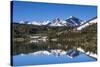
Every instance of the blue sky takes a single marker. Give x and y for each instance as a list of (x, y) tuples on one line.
[(37, 11)]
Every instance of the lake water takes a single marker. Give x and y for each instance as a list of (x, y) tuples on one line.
[(20, 60), (30, 54)]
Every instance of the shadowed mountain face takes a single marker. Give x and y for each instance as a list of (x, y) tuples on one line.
[(73, 21)]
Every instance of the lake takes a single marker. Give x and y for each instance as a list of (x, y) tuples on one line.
[(39, 52)]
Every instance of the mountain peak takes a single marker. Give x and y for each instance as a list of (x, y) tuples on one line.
[(57, 19), (73, 21), (71, 17)]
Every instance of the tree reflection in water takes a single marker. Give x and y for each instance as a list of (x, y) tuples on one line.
[(27, 47)]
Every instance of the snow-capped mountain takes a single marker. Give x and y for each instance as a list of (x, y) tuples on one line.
[(73, 21), (87, 23), (21, 22), (45, 22), (57, 22), (34, 23)]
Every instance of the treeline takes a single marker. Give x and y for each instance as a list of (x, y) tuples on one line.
[(23, 30)]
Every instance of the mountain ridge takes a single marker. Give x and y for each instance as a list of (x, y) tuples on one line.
[(70, 21)]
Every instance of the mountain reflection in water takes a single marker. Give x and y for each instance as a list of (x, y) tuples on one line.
[(52, 57), (38, 45)]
